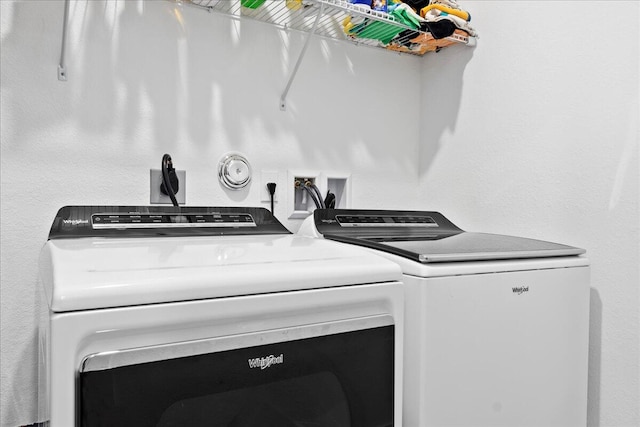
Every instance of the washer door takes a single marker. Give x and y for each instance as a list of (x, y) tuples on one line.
[(337, 374)]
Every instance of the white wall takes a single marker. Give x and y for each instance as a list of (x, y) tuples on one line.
[(536, 133), (142, 84), (533, 133)]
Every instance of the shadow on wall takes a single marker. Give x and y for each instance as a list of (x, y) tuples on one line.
[(163, 76), (595, 350), (185, 73), (441, 97), (142, 81), (18, 402)]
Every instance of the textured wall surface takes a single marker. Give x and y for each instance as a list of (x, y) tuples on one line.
[(536, 133), (147, 78)]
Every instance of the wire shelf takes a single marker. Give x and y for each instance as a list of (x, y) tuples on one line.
[(364, 26)]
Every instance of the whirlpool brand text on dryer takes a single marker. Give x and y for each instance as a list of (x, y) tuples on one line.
[(265, 362)]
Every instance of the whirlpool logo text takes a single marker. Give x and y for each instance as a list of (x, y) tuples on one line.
[(75, 221), (265, 362), (520, 289)]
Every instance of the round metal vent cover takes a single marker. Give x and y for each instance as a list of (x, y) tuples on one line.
[(234, 171)]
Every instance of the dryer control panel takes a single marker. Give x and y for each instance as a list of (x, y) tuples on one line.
[(171, 220), (146, 221)]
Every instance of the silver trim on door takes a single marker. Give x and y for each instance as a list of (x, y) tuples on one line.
[(126, 357)]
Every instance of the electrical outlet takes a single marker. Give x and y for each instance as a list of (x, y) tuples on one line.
[(156, 196)]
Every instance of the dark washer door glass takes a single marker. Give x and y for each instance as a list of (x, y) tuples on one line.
[(312, 400), (340, 380)]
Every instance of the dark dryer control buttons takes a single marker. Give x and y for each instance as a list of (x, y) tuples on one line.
[(72, 222), (124, 221)]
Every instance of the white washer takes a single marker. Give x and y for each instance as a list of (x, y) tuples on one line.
[(496, 327), (162, 316)]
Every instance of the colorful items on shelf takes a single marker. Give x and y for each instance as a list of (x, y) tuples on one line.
[(408, 26), (444, 17), (376, 32), (380, 5), (423, 43), (252, 4), (294, 4), (428, 31), (380, 31)]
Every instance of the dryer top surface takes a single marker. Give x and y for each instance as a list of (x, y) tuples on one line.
[(90, 273)]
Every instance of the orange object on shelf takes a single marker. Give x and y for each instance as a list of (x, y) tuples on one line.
[(426, 43)]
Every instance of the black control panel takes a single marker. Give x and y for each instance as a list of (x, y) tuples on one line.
[(385, 221), (145, 221), (155, 220), (372, 223)]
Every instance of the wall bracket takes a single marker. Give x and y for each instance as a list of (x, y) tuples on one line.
[(283, 98), (62, 68)]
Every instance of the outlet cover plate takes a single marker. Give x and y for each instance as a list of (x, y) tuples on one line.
[(156, 197)]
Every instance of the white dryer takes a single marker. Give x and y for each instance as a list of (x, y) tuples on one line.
[(162, 316), (496, 327)]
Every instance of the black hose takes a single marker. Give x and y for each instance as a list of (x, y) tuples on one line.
[(317, 191), (312, 194)]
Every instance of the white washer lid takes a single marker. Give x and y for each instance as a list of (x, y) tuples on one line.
[(478, 247), (444, 269), (90, 273)]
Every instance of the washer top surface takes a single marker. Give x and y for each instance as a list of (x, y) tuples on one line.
[(81, 273), (427, 243)]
